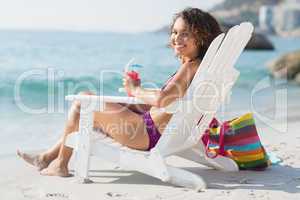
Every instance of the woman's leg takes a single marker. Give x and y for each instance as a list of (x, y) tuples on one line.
[(60, 152), (137, 108), (123, 125), (73, 125), (119, 122), (41, 161)]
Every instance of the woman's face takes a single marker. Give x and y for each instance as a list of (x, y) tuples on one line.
[(182, 40)]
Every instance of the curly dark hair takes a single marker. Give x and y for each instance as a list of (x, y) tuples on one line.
[(203, 26)]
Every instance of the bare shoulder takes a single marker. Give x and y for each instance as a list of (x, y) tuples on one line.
[(186, 72)]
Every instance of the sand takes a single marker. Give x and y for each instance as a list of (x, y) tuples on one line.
[(20, 181)]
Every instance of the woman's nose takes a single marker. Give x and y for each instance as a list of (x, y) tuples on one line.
[(177, 38)]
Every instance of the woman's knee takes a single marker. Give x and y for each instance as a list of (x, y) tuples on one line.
[(76, 104), (86, 93)]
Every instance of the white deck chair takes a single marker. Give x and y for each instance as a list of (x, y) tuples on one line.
[(191, 117)]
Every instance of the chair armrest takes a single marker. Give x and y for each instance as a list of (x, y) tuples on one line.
[(96, 102), (111, 99), (152, 89)]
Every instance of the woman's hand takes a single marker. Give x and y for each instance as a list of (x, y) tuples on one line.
[(130, 84)]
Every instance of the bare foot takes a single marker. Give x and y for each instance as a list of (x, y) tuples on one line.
[(34, 159), (56, 168)]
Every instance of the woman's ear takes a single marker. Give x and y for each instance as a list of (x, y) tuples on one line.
[(201, 43)]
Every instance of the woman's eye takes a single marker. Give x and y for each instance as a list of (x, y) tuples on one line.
[(185, 34), (181, 34)]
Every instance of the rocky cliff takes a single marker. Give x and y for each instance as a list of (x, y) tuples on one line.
[(236, 11), (287, 66)]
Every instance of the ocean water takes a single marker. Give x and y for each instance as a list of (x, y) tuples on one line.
[(39, 68)]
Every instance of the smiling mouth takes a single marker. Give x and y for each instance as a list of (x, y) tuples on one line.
[(179, 46)]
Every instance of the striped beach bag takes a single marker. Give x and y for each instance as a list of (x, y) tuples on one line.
[(237, 139)]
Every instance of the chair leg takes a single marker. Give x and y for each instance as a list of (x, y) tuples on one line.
[(155, 166), (197, 154), (184, 178), (83, 146), (221, 163)]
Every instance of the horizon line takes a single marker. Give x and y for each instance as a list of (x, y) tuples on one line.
[(156, 30)]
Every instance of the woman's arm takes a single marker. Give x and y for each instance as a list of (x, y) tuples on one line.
[(175, 89)]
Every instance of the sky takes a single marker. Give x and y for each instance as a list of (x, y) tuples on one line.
[(93, 15)]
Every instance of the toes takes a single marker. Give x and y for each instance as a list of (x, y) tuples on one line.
[(44, 172), (42, 166), (48, 172), (55, 172), (19, 153), (33, 159)]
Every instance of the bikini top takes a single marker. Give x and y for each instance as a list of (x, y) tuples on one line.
[(171, 77), (168, 81)]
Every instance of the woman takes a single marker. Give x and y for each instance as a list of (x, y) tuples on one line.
[(192, 31)]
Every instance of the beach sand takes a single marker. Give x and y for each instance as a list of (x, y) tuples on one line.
[(20, 181)]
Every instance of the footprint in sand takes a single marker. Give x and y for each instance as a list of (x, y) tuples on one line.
[(120, 196), (32, 192), (57, 196)]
